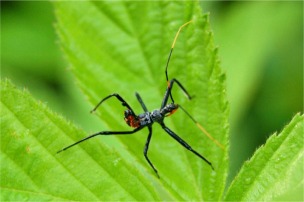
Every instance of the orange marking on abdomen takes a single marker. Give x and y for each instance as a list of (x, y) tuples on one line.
[(132, 121)]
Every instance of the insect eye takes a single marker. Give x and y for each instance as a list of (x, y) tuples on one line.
[(173, 107)]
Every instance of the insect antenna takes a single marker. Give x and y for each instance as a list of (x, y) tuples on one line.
[(170, 53), (173, 44), (203, 129)]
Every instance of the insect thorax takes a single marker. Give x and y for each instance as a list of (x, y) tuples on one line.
[(148, 118), (156, 116), (145, 119)]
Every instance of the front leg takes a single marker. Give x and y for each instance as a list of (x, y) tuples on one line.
[(168, 92)]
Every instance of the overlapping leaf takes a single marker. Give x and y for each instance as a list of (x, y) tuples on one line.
[(274, 170)]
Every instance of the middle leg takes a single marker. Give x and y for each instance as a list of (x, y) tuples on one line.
[(141, 102), (146, 150)]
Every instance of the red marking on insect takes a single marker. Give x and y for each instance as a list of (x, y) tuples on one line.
[(168, 84), (131, 119), (172, 112)]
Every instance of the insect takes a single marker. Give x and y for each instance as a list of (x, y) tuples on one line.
[(147, 118)]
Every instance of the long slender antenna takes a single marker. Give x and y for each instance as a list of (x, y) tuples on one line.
[(172, 47), (180, 28), (203, 129)]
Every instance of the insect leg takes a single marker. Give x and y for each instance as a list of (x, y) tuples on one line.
[(146, 150), (168, 92), (102, 133), (141, 102), (123, 102), (185, 144)]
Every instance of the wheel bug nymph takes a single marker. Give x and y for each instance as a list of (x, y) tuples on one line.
[(147, 118)]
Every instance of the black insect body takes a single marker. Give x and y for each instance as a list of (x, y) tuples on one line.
[(147, 118)]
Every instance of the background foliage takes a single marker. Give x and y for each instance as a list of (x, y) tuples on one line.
[(260, 49)]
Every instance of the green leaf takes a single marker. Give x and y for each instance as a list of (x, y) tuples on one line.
[(274, 170), (122, 47), (30, 168)]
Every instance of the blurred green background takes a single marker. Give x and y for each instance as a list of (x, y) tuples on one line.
[(260, 48)]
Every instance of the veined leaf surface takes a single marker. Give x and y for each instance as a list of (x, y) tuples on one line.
[(121, 47)]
